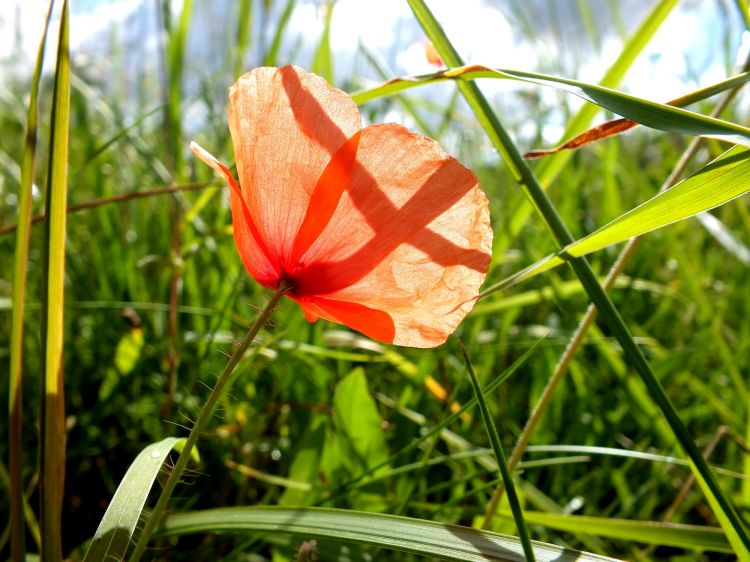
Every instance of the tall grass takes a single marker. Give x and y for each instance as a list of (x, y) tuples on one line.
[(320, 417)]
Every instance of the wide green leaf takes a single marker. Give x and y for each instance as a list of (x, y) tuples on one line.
[(721, 181), (358, 423), (427, 538), (116, 529)]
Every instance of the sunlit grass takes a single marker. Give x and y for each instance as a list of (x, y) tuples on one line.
[(166, 266)]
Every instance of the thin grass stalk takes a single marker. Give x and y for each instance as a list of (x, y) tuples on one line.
[(20, 267), (588, 319), (724, 510), (244, 28), (497, 448), (206, 411), (272, 55), (120, 198), (52, 418), (172, 63)]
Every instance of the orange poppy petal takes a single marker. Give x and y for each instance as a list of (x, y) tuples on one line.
[(252, 250), (373, 323), (410, 237), (286, 124), (326, 196)]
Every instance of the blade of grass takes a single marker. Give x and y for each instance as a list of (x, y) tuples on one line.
[(116, 528), (32, 525), (21, 258), (446, 542), (744, 8), (322, 63), (621, 125), (273, 52), (692, 537), (52, 418), (497, 448), (651, 114), (721, 181), (729, 517), (175, 61), (244, 27)]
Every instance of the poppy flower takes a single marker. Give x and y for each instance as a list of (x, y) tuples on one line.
[(376, 228)]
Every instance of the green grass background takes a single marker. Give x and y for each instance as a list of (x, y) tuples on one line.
[(155, 294)]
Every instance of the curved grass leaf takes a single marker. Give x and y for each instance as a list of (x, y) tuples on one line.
[(617, 126), (657, 533), (651, 114), (724, 179), (113, 536), (446, 542)]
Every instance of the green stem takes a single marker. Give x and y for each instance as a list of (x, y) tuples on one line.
[(506, 148), (200, 423), (515, 504)]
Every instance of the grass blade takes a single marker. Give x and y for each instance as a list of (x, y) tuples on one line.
[(52, 442), (497, 448), (651, 114), (618, 126), (273, 52), (721, 181), (446, 542), (116, 529), (729, 519), (15, 394), (244, 27), (322, 63), (692, 537)]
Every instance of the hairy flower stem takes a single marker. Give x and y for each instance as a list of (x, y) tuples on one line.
[(200, 423)]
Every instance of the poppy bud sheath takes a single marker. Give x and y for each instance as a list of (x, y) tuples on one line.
[(376, 228)]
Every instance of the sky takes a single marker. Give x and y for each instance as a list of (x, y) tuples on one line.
[(690, 50), (480, 29)]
